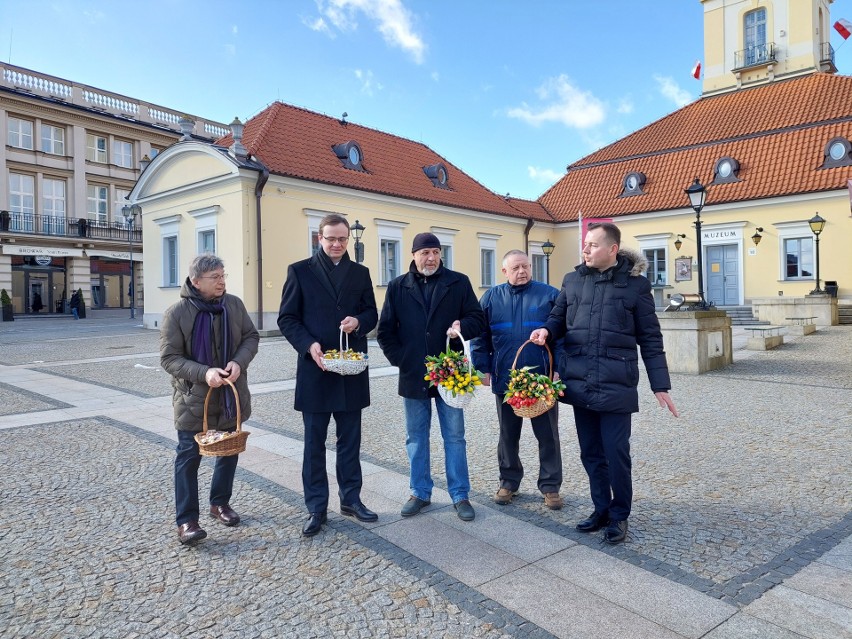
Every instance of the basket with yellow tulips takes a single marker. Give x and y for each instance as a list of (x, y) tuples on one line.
[(454, 375), (531, 394)]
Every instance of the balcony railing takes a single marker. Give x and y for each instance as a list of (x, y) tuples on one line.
[(826, 56), (36, 224), (754, 56)]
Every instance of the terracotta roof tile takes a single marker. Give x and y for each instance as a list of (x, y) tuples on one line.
[(298, 143), (777, 132)]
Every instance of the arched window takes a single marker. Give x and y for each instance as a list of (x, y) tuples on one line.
[(755, 37)]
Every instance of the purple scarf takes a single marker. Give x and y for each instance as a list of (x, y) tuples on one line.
[(202, 344)]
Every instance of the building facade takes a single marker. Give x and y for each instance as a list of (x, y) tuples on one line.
[(70, 158)]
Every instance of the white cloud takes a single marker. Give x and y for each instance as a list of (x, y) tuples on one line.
[(671, 90), (234, 29), (392, 20), (435, 76), (546, 176), (625, 106), (563, 102), (368, 83), (320, 25)]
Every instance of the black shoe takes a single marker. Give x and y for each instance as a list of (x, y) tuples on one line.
[(593, 522), (413, 506), (359, 511), (314, 524), (190, 532), (615, 532)]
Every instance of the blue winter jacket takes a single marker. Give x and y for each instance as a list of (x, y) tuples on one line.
[(603, 318), (512, 313)]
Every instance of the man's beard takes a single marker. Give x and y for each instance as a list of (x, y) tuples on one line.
[(429, 271)]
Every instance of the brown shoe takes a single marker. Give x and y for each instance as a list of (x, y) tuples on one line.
[(553, 501), (190, 531), (504, 496), (225, 514)]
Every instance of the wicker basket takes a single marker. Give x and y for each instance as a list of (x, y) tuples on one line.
[(542, 405), (458, 401), (231, 443), (343, 366)]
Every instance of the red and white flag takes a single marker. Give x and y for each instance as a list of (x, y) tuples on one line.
[(843, 27), (696, 70)]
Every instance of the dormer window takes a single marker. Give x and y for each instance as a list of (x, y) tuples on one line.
[(727, 170), (438, 174), (837, 153), (350, 156), (632, 184)]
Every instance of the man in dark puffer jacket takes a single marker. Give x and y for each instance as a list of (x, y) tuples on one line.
[(604, 310)]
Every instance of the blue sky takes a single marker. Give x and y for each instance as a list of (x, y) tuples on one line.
[(511, 92)]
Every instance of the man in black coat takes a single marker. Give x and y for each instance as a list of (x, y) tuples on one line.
[(422, 308), (604, 311), (324, 295)]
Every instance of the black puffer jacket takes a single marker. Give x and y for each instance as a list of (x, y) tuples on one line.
[(603, 318), (188, 382)]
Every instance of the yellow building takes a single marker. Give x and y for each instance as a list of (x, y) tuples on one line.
[(257, 201)]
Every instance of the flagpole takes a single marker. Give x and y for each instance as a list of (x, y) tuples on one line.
[(580, 235)]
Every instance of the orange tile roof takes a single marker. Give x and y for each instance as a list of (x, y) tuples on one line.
[(777, 132), (297, 143)]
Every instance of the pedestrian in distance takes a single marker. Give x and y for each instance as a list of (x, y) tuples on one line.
[(322, 296), (511, 309), (37, 304), (75, 305), (422, 308), (205, 338), (605, 310)]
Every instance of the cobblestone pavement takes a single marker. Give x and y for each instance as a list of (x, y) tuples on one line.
[(749, 488)]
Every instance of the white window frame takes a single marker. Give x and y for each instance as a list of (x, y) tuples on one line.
[(122, 153), (52, 139), (799, 230), (169, 232), (206, 222), (119, 202), (97, 203), (18, 135), (447, 238), (389, 234), (21, 201), (487, 246), (314, 218), (94, 150), (53, 205), (536, 253), (656, 242), (389, 253)]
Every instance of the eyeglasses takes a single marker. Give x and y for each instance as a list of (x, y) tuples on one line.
[(336, 240), (219, 277)]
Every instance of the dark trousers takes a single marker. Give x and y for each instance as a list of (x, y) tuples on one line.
[(546, 430), (348, 466), (187, 462), (605, 452)]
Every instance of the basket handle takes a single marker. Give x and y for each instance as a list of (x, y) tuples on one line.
[(236, 398), (342, 334), (465, 348), (549, 354)]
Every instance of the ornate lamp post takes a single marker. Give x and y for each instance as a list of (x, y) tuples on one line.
[(817, 224), (678, 242), (130, 213), (547, 248), (697, 194), (357, 232)]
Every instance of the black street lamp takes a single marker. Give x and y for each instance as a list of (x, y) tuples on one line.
[(678, 243), (697, 194), (130, 213), (357, 232), (817, 224), (547, 249)]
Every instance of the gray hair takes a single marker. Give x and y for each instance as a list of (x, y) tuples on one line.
[(204, 263), (514, 252)]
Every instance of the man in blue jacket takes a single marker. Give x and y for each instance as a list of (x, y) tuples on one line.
[(511, 311), (422, 308), (604, 311)]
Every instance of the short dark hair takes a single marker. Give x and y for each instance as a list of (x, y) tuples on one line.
[(204, 263), (332, 219), (612, 232)]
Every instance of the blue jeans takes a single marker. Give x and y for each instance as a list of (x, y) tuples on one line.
[(187, 461), (418, 419)]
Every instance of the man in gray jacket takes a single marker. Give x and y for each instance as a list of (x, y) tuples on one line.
[(206, 337)]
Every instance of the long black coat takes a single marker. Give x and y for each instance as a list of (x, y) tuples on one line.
[(311, 312), (603, 318), (408, 331)]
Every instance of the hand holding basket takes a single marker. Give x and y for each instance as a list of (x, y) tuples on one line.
[(338, 363), (213, 443), (542, 404), (460, 399)]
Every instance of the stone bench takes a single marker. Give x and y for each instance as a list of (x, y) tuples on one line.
[(802, 325), (764, 338)]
